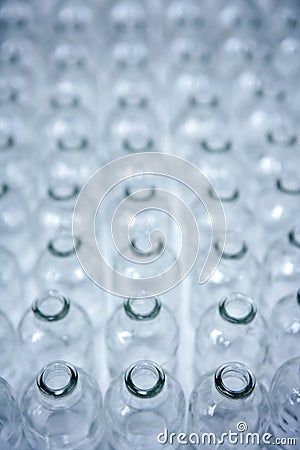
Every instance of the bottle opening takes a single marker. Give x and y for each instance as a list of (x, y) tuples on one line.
[(63, 246), (234, 380), (224, 189), (6, 142), (139, 142), (204, 98), (53, 306), (216, 145), (140, 195), (63, 191), (155, 250), (142, 308), (72, 140), (282, 136), (57, 379), (3, 189), (235, 247), (289, 183), (294, 237), (145, 379), (237, 308)]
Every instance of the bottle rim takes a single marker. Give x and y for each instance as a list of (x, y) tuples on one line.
[(225, 147), (238, 371), (71, 192), (237, 253), (142, 391), (4, 188), (246, 302), (53, 246), (150, 314), (61, 311), (294, 237), (59, 369)]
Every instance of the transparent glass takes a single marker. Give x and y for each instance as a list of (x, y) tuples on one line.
[(238, 271), (232, 330), (141, 329), (285, 326), (140, 404), (56, 328), (127, 20), (58, 268), (10, 285), (223, 399), (16, 18), (11, 434), (62, 409), (282, 263), (285, 405)]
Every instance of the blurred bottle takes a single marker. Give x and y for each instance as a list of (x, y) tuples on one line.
[(142, 404), (55, 328), (17, 19), (282, 263), (232, 331), (238, 271), (285, 405), (58, 268), (11, 288), (223, 400), (142, 328), (11, 434), (63, 408), (285, 326)]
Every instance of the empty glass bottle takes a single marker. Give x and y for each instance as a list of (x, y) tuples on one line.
[(233, 330), (285, 326), (223, 399), (58, 268), (56, 328), (238, 271), (141, 328), (10, 285), (285, 405), (139, 405), (282, 263), (62, 409), (11, 434)]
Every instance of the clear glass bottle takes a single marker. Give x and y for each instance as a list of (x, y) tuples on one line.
[(10, 286), (9, 352), (282, 263), (285, 326), (127, 20), (238, 271), (285, 405), (223, 399), (11, 434), (141, 329), (62, 409), (56, 328), (233, 330), (139, 405), (58, 268)]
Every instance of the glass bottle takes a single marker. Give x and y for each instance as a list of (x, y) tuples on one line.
[(10, 285), (285, 405), (58, 268), (141, 328), (222, 400), (285, 326), (16, 18), (238, 271), (62, 409), (11, 434), (233, 330), (282, 262), (127, 21), (55, 328), (140, 405)]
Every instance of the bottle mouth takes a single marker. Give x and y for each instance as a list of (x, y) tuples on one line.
[(282, 136), (140, 195), (215, 145), (226, 193), (234, 380), (288, 183), (205, 99), (3, 189), (237, 308), (142, 309), (6, 142), (63, 246), (145, 379), (63, 191), (72, 141), (235, 247), (138, 143), (137, 101), (51, 307), (294, 237), (154, 250), (57, 379)]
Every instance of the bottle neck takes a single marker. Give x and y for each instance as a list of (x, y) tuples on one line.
[(63, 192), (72, 141), (138, 142), (234, 384), (63, 246), (235, 247), (53, 306), (288, 183), (142, 309), (145, 380), (237, 309)]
